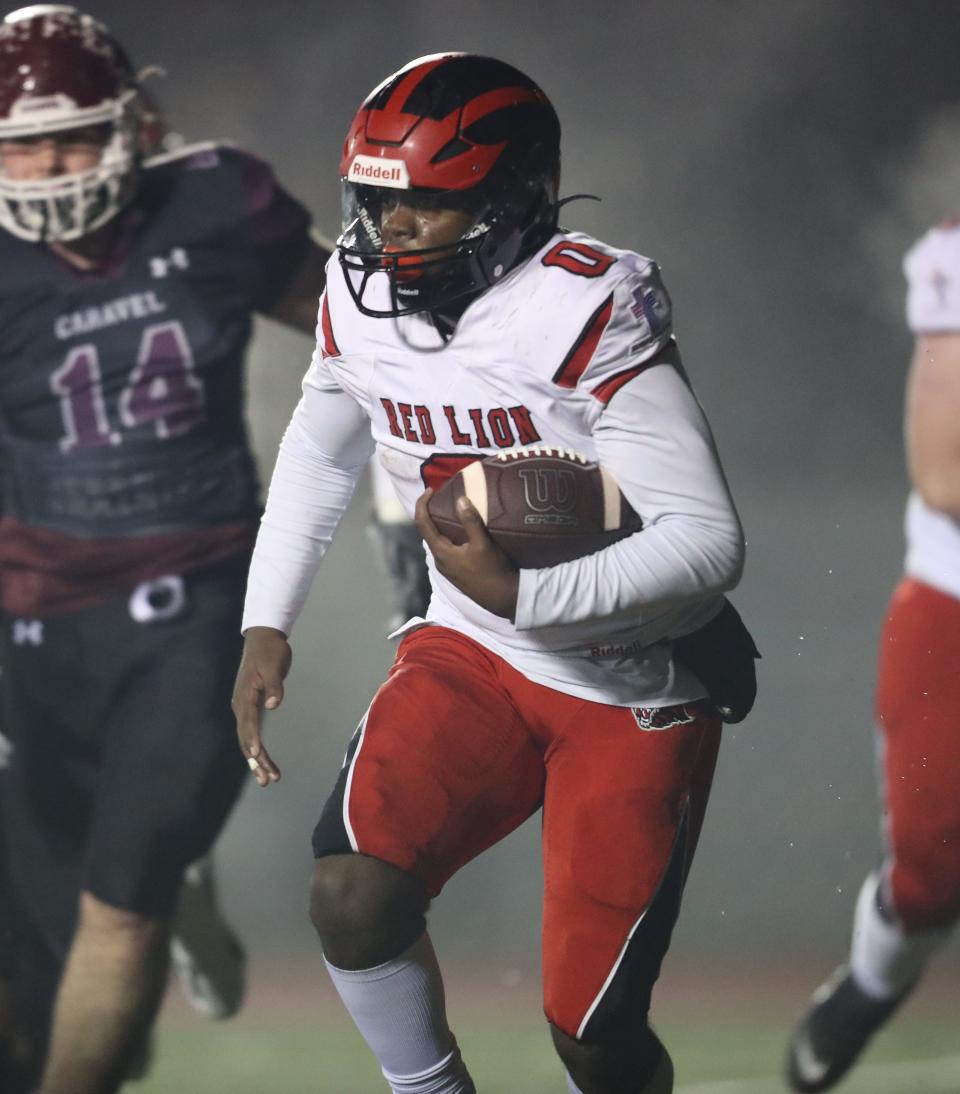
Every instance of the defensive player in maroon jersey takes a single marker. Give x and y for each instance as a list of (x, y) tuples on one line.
[(910, 904), (460, 320), (128, 284)]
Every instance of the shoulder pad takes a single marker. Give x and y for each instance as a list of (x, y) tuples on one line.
[(614, 312), (199, 155)]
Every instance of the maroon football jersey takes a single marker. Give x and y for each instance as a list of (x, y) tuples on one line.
[(121, 390)]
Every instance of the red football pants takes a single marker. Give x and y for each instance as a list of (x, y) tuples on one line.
[(918, 717), (458, 749)]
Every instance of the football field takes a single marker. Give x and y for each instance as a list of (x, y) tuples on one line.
[(726, 1037)]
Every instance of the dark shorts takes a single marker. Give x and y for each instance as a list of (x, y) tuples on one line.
[(8, 917), (458, 749), (125, 763)]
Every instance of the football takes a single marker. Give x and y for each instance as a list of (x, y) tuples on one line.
[(540, 505)]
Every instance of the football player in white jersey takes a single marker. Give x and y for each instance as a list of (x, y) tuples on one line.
[(460, 321), (909, 904)]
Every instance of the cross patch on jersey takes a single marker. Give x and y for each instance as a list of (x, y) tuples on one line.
[(941, 283), (650, 304)]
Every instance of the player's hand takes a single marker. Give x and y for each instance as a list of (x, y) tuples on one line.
[(259, 686), (478, 568)]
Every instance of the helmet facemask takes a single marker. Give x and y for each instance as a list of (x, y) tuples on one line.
[(61, 72), (71, 205)]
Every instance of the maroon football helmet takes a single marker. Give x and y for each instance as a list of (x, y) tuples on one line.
[(62, 70), (454, 131)]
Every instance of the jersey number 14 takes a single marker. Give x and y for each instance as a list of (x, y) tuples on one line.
[(162, 389)]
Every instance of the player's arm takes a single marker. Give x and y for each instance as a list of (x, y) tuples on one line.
[(297, 306), (321, 457), (654, 439), (288, 255), (933, 421)]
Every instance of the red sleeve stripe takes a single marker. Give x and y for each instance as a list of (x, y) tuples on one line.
[(330, 347), (575, 363), (605, 392)]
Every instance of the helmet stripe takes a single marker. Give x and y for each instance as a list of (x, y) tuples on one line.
[(410, 80), (388, 120), (498, 99)]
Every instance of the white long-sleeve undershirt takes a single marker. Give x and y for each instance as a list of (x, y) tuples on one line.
[(322, 453)]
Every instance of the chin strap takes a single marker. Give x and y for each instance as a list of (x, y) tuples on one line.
[(444, 325)]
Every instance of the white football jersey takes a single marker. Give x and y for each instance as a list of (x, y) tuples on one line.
[(572, 350), (932, 268)]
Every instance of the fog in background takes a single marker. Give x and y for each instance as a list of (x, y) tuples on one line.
[(776, 158)]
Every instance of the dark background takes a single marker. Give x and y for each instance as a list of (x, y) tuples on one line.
[(776, 158)]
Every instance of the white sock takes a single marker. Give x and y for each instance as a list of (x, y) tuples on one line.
[(400, 1010), (448, 1077), (884, 959)]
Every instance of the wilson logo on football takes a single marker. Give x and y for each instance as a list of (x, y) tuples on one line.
[(541, 505), (379, 172), (550, 494)]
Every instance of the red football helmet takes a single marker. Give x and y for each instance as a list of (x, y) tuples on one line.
[(62, 70), (456, 131)]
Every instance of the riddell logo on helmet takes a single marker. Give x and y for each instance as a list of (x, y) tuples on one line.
[(379, 172)]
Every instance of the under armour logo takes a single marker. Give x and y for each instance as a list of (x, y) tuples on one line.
[(28, 632), (177, 259)]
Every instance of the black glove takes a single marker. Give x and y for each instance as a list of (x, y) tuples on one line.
[(721, 654)]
